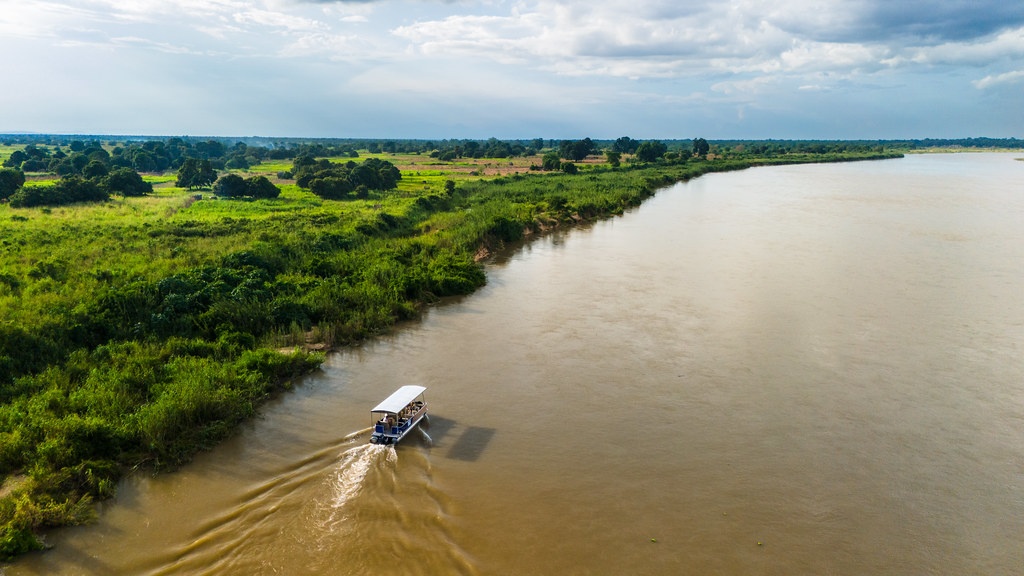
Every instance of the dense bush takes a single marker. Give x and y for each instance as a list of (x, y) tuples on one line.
[(229, 186), (334, 181), (261, 187), (234, 186), (126, 182), (68, 190), (10, 180)]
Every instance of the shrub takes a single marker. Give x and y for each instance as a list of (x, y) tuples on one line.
[(10, 180), (230, 186), (260, 187), (126, 182), (67, 190)]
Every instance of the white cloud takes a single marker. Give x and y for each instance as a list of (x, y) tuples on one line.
[(146, 42), (332, 46), (746, 88), (40, 19), (271, 19), (650, 57), (1005, 78), (620, 38)]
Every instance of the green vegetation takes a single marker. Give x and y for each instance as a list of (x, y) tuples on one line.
[(138, 330), (334, 181)]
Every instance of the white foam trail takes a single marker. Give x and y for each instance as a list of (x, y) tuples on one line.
[(430, 441), (350, 474)]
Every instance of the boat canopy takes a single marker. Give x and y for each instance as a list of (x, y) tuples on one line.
[(399, 399)]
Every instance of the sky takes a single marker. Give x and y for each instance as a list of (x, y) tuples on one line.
[(518, 69)]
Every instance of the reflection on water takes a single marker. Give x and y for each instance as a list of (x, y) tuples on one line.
[(789, 370)]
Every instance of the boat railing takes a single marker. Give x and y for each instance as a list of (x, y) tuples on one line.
[(402, 421)]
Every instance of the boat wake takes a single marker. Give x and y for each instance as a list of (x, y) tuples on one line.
[(348, 500), (430, 441), (349, 476), (222, 541)]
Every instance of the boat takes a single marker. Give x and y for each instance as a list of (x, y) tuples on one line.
[(398, 415)]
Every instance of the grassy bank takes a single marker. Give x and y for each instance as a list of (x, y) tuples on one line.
[(138, 331)]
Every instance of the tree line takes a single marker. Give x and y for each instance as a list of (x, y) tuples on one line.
[(96, 182), (92, 173)]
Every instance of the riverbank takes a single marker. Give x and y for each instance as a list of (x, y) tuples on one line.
[(141, 331)]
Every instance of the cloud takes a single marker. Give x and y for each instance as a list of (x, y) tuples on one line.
[(921, 22), (1004, 78), (269, 19), (333, 46), (129, 41), (746, 87), (637, 60), (738, 38), (941, 20), (1009, 44)]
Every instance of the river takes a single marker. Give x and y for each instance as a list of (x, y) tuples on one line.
[(812, 369)]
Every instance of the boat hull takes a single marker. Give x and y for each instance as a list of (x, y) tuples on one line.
[(398, 414), (384, 434)]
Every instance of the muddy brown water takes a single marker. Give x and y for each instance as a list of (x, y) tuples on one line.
[(788, 370)]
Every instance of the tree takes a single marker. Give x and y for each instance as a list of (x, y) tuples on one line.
[(331, 187), (237, 163), (210, 149), (260, 187), (61, 167), (15, 159), (701, 147), (337, 181), (35, 165), (187, 173), (551, 161), (78, 161), (650, 151), (625, 145), (77, 189), (67, 190), (614, 158), (230, 186), (569, 168), (95, 169), (576, 150), (10, 180), (143, 161), (195, 173), (207, 175), (97, 154), (126, 182), (386, 174)]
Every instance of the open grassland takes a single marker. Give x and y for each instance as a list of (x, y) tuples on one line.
[(6, 151), (140, 330)]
